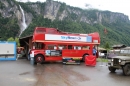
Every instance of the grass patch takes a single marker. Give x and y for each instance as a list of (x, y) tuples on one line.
[(102, 60)]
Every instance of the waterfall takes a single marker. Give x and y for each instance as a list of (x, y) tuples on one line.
[(23, 23)]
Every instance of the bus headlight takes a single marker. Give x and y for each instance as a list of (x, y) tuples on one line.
[(112, 60), (119, 60)]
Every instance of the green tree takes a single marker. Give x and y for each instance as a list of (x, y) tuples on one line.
[(10, 39), (106, 46), (16, 40)]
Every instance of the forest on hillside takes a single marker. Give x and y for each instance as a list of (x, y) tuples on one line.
[(117, 31)]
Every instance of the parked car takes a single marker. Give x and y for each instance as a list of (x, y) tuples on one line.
[(121, 61)]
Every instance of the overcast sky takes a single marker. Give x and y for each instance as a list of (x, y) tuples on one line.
[(121, 6)]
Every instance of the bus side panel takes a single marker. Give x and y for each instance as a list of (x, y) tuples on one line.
[(74, 53), (69, 53), (53, 58)]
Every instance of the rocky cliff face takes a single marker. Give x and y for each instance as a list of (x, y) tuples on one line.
[(51, 9), (9, 9), (56, 10), (61, 11)]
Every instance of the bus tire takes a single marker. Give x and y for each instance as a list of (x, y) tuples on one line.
[(39, 58), (84, 56)]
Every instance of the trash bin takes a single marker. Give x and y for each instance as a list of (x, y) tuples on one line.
[(90, 60)]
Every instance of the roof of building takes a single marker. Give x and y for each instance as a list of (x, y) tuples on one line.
[(119, 45), (126, 48), (99, 48), (26, 37)]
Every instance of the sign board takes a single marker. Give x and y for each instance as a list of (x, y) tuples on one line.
[(53, 52), (7, 50), (68, 38)]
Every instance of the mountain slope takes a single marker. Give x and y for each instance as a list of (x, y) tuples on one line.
[(59, 15)]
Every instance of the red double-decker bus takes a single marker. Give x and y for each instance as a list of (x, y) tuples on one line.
[(50, 44)]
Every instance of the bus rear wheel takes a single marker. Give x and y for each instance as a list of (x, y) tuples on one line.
[(39, 59), (84, 56)]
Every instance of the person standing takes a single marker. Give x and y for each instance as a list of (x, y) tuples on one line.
[(94, 51), (29, 54)]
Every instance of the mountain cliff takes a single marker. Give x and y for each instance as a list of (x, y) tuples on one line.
[(20, 18)]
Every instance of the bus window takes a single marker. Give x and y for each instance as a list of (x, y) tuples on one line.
[(70, 47), (50, 31), (40, 30), (52, 47), (39, 45), (62, 47), (77, 47), (86, 47)]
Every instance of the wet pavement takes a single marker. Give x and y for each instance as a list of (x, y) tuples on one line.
[(22, 73)]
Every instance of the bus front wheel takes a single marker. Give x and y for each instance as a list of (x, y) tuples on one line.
[(39, 58)]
